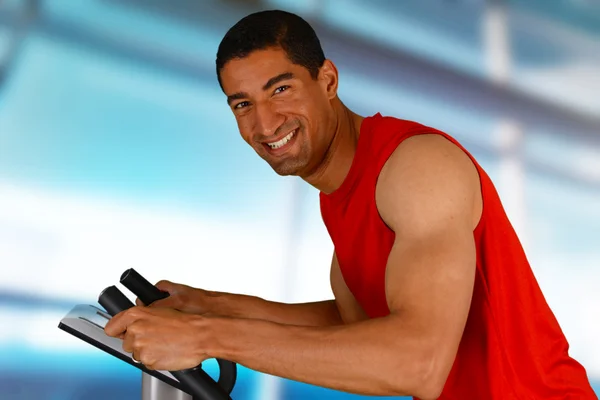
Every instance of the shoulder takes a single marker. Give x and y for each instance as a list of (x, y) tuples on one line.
[(429, 151), (426, 179)]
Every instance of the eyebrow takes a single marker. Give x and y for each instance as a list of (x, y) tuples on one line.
[(270, 83), (276, 79)]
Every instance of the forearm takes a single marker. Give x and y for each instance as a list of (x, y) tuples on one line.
[(323, 313), (367, 358)]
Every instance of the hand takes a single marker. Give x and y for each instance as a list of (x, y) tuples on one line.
[(182, 297), (161, 338)]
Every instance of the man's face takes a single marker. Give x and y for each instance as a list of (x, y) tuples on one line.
[(281, 111)]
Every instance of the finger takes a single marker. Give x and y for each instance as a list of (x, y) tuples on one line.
[(136, 357), (168, 302), (114, 326), (139, 303), (166, 286), (128, 343), (141, 355), (119, 323)]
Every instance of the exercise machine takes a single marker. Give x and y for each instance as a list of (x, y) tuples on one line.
[(87, 322)]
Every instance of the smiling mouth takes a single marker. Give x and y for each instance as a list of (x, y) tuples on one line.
[(282, 142)]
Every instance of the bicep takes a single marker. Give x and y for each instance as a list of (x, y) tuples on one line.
[(349, 309), (429, 283), (428, 195)]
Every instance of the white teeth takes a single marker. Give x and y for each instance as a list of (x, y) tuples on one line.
[(279, 143)]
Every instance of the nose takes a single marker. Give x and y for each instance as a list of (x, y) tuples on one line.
[(268, 120)]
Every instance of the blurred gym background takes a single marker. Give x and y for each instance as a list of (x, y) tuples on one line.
[(117, 150)]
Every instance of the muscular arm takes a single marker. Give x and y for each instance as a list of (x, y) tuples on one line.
[(428, 194), (344, 309), (321, 313)]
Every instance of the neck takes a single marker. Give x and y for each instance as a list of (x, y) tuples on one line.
[(334, 168)]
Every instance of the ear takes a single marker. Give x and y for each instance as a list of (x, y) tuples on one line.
[(328, 77)]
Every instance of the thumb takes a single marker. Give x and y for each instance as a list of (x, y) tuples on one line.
[(166, 286), (170, 301), (163, 286)]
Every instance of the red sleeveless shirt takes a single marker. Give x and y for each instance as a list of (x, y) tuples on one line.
[(512, 346)]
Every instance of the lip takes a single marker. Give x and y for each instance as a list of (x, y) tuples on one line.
[(283, 148), (277, 139)]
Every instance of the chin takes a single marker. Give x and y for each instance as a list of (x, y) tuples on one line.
[(286, 171), (288, 168)]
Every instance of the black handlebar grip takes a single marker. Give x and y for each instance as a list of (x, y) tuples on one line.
[(114, 301), (196, 380), (199, 383), (139, 286)]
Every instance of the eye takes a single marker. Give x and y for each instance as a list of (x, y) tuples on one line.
[(281, 89), (241, 105)]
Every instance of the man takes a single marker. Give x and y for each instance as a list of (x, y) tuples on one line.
[(434, 297)]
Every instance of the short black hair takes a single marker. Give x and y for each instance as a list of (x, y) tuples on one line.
[(268, 29)]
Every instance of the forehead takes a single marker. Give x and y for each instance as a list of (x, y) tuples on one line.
[(254, 70)]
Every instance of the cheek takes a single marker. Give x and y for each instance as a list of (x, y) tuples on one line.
[(315, 120), (244, 129)]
